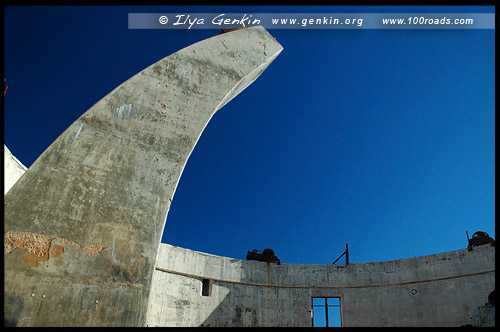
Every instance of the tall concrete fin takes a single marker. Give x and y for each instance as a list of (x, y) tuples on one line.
[(83, 224)]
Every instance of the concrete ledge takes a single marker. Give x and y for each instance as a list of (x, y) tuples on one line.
[(442, 266)]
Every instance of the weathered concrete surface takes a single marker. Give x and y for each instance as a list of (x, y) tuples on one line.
[(13, 169), (83, 224), (438, 290), (484, 316)]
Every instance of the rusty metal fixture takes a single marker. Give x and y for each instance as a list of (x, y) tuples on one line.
[(480, 238), (267, 255)]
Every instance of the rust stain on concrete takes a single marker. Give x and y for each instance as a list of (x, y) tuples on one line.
[(93, 249), (39, 247), (33, 261), (56, 250)]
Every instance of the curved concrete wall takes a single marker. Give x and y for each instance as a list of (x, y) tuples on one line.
[(13, 169), (438, 290), (83, 224)]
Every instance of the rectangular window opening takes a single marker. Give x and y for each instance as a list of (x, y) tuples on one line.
[(326, 312), (205, 287)]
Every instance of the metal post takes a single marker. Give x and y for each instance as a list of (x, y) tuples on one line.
[(346, 255), (336, 260), (326, 311)]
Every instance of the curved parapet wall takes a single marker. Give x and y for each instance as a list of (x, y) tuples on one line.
[(84, 223), (13, 169), (438, 290)]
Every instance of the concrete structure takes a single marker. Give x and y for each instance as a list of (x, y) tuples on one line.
[(83, 224), (445, 289), (12, 168)]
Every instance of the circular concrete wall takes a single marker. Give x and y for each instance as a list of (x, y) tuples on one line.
[(438, 290)]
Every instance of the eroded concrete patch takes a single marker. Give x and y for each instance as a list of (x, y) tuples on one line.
[(40, 247)]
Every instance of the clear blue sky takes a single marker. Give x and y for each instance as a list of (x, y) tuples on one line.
[(382, 139)]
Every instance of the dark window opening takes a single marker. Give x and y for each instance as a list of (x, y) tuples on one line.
[(326, 312), (205, 287)]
